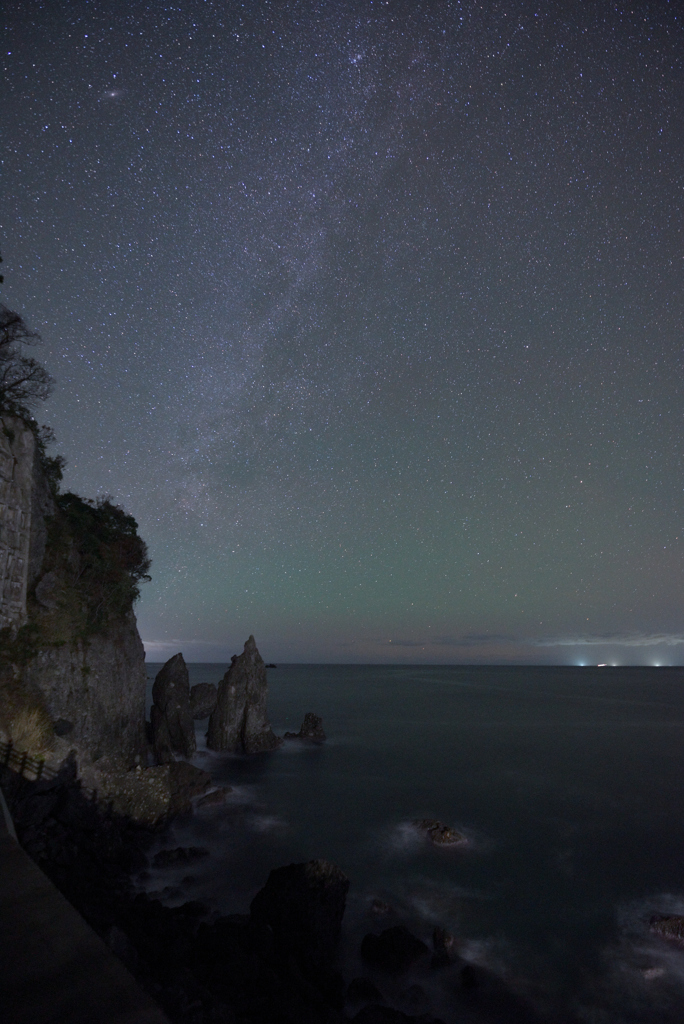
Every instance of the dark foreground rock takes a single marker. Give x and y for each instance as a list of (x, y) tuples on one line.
[(385, 1015), (311, 729), (239, 723), (394, 950), (173, 731), (203, 697)]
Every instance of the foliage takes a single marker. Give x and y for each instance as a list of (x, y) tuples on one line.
[(98, 552), (23, 381)]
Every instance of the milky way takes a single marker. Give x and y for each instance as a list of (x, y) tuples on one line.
[(370, 312)]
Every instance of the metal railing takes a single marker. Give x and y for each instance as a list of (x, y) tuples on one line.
[(25, 764)]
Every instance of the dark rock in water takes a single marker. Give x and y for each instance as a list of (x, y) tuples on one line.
[(217, 796), (394, 950), (312, 729), (181, 855), (173, 731), (443, 943), (271, 664), (362, 990), (439, 833), (239, 723), (203, 697), (415, 999), (303, 905), (669, 927)]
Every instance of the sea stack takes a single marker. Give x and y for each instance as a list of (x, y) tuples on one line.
[(238, 722), (173, 730)]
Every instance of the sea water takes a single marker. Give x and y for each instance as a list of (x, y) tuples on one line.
[(568, 784)]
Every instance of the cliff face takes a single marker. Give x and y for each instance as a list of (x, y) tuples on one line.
[(69, 646)]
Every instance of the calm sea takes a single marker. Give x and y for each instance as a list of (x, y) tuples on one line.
[(568, 784)]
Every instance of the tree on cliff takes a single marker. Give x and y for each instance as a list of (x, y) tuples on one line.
[(23, 381)]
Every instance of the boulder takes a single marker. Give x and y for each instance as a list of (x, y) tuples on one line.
[(444, 945), (203, 697), (311, 729), (173, 731), (394, 950), (303, 906), (238, 722)]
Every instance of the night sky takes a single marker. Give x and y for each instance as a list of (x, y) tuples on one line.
[(371, 313)]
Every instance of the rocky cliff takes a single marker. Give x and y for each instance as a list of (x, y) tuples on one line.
[(71, 659)]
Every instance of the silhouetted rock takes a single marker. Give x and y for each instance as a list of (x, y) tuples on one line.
[(173, 731), (151, 796), (239, 723), (217, 796), (311, 729), (203, 697), (394, 950)]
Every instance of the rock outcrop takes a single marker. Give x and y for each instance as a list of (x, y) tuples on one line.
[(439, 833), (203, 698), (311, 729), (173, 731), (394, 950), (303, 906), (151, 796), (239, 723)]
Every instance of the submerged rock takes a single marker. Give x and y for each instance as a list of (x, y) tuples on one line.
[(173, 731), (238, 722), (311, 729), (203, 697), (181, 855)]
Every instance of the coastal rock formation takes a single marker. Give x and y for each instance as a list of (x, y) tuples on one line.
[(303, 906), (173, 731), (311, 729), (203, 698), (239, 723), (70, 652)]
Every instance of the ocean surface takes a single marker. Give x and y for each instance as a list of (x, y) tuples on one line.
[(568, 784)]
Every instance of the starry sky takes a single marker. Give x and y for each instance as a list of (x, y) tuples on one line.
[(369, 311)]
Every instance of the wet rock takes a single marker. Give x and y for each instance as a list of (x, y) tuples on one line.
[(311, 729), (181, 855), (239, 723), (439, 833), (669, 927), (362, 990), (379, 908), (415, 999), (303, 906), (394, 950), (469, 978), (173, 731), (203, 698)]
